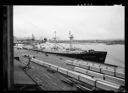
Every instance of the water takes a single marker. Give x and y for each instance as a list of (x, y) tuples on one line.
[(115, 53)]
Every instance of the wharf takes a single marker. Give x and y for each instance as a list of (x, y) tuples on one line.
[(20, 76), (42, 74), (47, 81), (21, 80)]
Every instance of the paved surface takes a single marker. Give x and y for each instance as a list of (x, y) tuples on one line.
[(51, 58), (19, 75), (54, 59), (49, 81)]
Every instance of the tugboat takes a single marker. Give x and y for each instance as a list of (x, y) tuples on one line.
[(91, 55)]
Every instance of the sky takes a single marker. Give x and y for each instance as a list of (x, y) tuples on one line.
[(84, 22)]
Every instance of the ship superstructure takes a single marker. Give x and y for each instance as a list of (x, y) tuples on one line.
[(54, 48)]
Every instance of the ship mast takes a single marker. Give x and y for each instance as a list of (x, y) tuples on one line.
[(71, 39), (33, 38), (55, 39)]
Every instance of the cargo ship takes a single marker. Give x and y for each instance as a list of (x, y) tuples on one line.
[(90, 55)]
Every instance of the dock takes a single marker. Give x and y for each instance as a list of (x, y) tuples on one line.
[(21, 80), (64, 68)]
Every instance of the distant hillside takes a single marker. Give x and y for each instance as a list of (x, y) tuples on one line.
[(108, 42)]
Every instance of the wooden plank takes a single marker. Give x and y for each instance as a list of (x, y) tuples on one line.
[(75, 60), (120, 73), (95, 68), (84, 71), (97, 65), (95, 74), (46, 64), (120, 70), (73, 74), (54, 67), (82, 88), (87, 79), (41, 62), (84, 65), (90, 64), (105, 85), (76, 63), (80, 62), (69, 62), (103, 66), (37, 61), (62, 70), (83, 62), (68, 81), (108, 71), (115, 80)]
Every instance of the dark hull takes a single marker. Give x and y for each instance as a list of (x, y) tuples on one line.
[(97, 56)]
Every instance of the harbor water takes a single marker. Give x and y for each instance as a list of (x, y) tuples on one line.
[(115, 53)]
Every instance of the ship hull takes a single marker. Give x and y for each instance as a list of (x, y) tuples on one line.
[(97, 56)]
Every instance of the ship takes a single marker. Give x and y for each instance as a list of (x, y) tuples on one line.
[(89, 55)]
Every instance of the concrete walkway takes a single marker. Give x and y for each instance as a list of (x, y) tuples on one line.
[(20, 77)]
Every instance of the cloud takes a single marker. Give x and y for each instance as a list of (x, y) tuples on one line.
[(85, 22)]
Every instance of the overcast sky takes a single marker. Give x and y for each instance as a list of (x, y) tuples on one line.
[(84, 22)]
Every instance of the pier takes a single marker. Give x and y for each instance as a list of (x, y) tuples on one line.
[(63, 68)]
